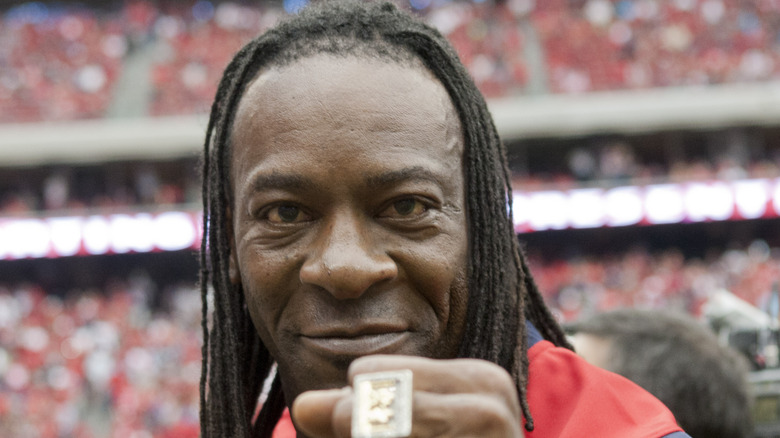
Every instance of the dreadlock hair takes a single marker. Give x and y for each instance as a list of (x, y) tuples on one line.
[(502, 294)]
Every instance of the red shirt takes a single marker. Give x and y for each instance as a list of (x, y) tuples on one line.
[(569, 397)]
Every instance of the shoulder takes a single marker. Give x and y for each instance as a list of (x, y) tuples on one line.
[(569, 397)]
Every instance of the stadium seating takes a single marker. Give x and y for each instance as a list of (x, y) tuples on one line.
[(514, 48)]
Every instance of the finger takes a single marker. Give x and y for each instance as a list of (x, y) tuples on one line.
[(342, 417), (454, 376), (312, 411), (463, 415), (463, 375)]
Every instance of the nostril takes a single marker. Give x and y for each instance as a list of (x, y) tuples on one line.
[(349, 276)]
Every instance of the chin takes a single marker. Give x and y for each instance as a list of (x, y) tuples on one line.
[(318, 375)]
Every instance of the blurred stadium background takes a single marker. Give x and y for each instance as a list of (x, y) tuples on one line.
[(643, 137)]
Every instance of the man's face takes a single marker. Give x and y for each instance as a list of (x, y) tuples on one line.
[(349, 222)]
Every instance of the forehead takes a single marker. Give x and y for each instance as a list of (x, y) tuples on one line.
[(335, 94)]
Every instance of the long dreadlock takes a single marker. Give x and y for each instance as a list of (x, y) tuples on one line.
[(502, 294)]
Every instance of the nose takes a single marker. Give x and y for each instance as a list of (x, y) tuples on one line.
[(346, 260)]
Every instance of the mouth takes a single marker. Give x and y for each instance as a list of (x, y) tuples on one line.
[(342, 344)]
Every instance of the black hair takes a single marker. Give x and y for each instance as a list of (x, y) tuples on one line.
[(502, 293), (682, 363)]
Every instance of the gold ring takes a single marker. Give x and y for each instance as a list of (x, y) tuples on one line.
[(382, 407)]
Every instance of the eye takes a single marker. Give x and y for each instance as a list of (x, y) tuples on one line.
[(405, 207), (286, 214)]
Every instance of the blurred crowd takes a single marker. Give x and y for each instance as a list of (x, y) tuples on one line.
[(585, 285), (58, 64), (103, 187), (617, 162), (583, 163), (609, 44), (99, 363), (63, 62)]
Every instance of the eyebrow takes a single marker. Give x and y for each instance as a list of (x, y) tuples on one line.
[(398, 176), (281, 181)]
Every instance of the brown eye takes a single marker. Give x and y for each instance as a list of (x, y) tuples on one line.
[(287, 214), (405, 207)]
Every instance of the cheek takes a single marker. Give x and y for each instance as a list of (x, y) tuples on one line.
[(450, 304), (458, 308), (459, 298), (440, 273), (264, 282), (265, 272), (260, 308)]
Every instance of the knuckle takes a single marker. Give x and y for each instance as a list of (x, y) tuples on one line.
[(367, 364), (492, 415), (463, 415), (490, 378)]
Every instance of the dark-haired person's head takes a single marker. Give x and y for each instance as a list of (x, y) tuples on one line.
[(355, 194), (677, 359)]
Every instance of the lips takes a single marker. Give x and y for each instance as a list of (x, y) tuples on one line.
[(355, 343)]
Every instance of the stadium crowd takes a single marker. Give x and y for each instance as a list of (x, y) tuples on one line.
[(611, 44), (58, 65), (618, 162), (584, 285), (65, 62), (99, 362), (146, 184), (105, 187)]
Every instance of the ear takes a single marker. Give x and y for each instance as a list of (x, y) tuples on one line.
[(233, 270)]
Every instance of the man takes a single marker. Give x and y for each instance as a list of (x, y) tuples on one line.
[(356, 221), (679, 361)]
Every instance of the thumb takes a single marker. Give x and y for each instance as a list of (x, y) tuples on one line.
[(312, 412)]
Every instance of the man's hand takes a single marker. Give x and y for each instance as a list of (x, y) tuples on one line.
[(451, 398)]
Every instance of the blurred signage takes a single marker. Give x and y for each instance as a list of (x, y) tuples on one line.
[(533, 211), (646, 205), (98, 234)]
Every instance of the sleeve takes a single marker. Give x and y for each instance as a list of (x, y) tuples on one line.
[(285, 428), (569, 397)]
